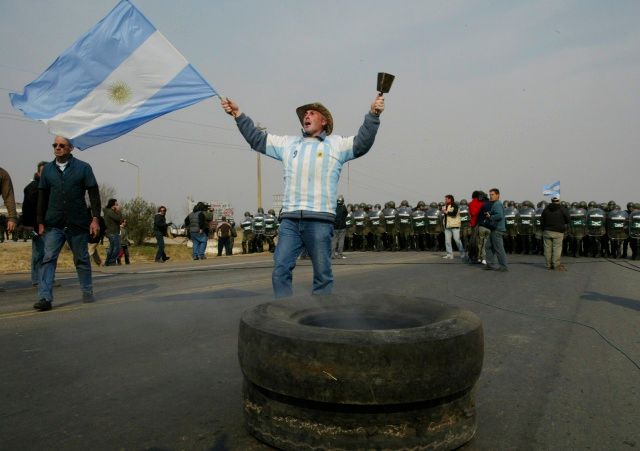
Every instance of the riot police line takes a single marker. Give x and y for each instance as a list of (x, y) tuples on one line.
[(595, 230)]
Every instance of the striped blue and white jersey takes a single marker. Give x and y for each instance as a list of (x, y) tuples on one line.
[(312, 165)]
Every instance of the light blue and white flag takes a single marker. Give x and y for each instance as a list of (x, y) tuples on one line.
[(552, 189), (121, 74)]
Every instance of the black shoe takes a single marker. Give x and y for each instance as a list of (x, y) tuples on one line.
[(88, 298), (165, 258), (43, 305), (503, 269)]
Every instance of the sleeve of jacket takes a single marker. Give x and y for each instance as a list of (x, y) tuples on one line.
[(256, 138), (7, 195), (366, 135)]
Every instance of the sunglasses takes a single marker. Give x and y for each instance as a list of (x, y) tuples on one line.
[(55, 146)]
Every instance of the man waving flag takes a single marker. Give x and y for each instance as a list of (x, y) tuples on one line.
[(121, 74)]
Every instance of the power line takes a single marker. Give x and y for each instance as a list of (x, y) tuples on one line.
[(144, 135)]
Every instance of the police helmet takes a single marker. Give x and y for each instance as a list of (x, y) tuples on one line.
[(378, 207), (261, 211), (433, 205), (421, 204), (629, 206), (404, 203), (463, 202), (592, 204), (528, 203), (340, 199), (582, 204), (247, 214), (440, 204), (392, 204), (272, 212)]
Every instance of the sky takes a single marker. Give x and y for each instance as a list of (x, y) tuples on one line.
[(504, 94)]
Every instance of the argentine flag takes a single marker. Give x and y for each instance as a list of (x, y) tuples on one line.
[(551, 189), (121, 74)]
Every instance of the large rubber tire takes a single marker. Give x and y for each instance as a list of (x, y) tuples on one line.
[(295, 425), (406, 350)]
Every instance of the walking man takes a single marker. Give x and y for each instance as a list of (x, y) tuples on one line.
[(495, 221), (63, 217), (554, 221), (312, 165)]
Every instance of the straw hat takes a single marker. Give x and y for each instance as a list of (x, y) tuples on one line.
[(320, 108)]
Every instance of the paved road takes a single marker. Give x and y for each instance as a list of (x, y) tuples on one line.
[(152, 365)]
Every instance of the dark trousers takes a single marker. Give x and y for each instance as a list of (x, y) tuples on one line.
[(125, 251), (224, 242), (160, 255)]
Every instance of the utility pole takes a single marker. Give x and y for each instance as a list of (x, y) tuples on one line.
[(259, 165)]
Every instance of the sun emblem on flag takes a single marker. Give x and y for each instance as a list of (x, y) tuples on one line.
[(119, 93)]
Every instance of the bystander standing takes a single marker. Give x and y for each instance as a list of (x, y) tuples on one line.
[(160, 231), (224, 232), (339, 229), (495, 221), (112, 219), (451, 226), (6, 188), (554, 221), (30, 223), (125, 242)]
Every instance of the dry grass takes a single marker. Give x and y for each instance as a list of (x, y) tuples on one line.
[(16, 256)]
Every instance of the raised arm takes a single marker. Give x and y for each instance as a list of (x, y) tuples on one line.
[(256, 138), (368, 130)]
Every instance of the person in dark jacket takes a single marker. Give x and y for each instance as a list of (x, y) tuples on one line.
[(339, 229), (30, 223), (554, 219), (198, 231), (160, 231)]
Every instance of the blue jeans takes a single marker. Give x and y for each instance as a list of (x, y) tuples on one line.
[(54, 239), (295, 235), (455, 232), (160, 255), (495, 250), (199, 244), (113, 250), (37, 254)]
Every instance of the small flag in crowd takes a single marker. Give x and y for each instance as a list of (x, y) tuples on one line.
[(119, 75), (551, 189)]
